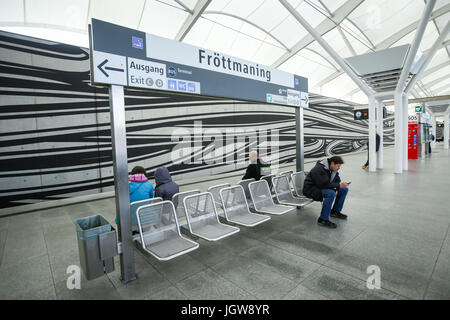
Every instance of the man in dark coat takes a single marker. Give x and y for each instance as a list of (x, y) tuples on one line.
[(165, 187), (324, 184)]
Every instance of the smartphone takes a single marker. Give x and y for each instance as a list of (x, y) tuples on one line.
[(349, 182)]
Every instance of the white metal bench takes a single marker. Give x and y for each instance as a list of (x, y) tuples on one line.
[(298, 180), (215, 192), (262, 199), (135, 205), (203, 220), (284, 194), (269, 181), (178, 203), (244, 184), (236, 208), (159, 232)]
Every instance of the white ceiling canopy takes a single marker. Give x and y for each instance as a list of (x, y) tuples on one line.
[(258, 30)]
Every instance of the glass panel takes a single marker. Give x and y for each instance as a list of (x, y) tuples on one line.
[(313, 15), (156, 17), (440, 84), (435, 75), (333, 5), (442, 20), (268, 54), (188, 3), (12, 11), (289, 31), (358, 41), (199, 33), (270, 21), (236, 7), (339, 87), (67, 13), (310, 65), (428, 39), (439, 57), (379, 20)]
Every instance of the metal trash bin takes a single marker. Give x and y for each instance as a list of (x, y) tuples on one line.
[(97, 245)]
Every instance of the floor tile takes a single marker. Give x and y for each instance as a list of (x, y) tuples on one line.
[(288, 265), (256, 278), (302, 293), (170, 293), (96, 289), (208, 285), (18, 280), (336, 285)]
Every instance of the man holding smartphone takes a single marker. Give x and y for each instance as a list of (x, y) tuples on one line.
[(324, 184)]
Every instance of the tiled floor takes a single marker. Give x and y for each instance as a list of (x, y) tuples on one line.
[(399, 223)]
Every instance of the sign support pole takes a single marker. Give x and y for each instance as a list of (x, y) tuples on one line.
[(300, 142), (120, 166)]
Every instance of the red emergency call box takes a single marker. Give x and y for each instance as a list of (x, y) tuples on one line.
[(413, 137)]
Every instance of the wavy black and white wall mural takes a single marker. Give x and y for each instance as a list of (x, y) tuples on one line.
[(55, 127)]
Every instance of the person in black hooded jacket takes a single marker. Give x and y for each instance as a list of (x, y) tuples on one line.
[(165, 187), (324, 184), (254, 168)]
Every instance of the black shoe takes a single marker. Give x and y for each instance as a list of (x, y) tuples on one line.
[(337, 214), (326, 223)]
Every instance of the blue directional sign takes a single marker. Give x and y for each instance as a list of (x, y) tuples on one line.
[(128, 57)]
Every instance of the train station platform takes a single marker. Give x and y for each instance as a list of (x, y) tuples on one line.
[(396, 222)]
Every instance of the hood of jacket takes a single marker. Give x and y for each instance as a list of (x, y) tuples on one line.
[(162, 176), (325, 163), (138, 177)]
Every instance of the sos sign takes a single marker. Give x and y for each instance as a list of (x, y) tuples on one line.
[(413, 119)]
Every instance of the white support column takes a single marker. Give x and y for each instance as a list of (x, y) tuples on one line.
[(401, 116), (398, 157), (380, 131), (433, 130), (372, 145), (446, 128), (405, 132)]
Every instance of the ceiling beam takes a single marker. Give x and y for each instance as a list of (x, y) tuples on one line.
[(362, 32), (324, 27), (393, 39), (426, 99), (192, 19), (388, 42), (434, 69), (344, 37), (440, 89), (430, 84), (185, 7)]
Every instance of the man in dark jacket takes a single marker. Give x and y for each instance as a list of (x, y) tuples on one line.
[(165, 187), (324, 184)]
